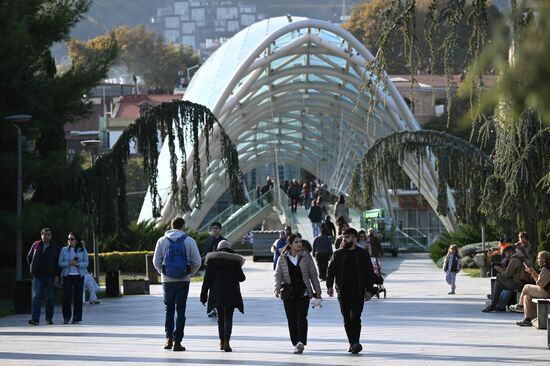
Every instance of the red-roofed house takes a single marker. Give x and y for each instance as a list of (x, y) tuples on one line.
[(128, 108)]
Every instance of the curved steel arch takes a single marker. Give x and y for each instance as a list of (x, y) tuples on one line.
[(276, 68)]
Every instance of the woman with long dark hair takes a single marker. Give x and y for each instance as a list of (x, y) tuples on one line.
[(296, 281), (73, 261)]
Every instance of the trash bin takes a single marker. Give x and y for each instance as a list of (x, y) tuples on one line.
[(22, 296), (112, 284), (150, 270)]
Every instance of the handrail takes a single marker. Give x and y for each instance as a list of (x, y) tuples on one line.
[(412, 239), (224, 215)]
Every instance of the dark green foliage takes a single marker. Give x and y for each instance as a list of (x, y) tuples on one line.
[(136, 237), (134, 261), (180, 123), (514, 195), (544, 235), (465, 235), (459, 165), (31, 85)]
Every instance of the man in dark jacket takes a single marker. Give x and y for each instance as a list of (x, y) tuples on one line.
[(42, 259), (322, 251), (222, 277), (375, 244), (316, 217), (351, 269), (211, 245)]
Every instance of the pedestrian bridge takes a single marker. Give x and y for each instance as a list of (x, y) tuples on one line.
[(292, 90)]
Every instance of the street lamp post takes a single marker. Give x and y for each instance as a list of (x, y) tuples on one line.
[(92, 146), (15, 121)]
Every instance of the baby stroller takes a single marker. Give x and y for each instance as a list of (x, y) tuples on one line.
[(378, 279)]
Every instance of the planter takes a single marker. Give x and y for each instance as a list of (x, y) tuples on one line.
[(136, 287)]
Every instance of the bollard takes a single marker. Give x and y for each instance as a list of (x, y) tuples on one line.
[(150, 270), (112, 284)]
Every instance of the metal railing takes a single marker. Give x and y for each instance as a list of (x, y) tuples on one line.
[(225, 214), (416, 238), (235, 215)]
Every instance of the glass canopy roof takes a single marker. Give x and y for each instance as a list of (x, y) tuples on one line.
[(287, 90)]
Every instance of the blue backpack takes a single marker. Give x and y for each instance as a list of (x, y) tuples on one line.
[(176, 264)]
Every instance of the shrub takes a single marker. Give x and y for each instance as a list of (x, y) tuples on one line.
[(466, 234), (143, 236), (129, 262), (468, 262)]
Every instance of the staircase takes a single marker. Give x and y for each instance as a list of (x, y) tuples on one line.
[(411, 239), (238, 220)]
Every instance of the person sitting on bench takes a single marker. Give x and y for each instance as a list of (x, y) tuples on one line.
[(507, 279), (540, 290)]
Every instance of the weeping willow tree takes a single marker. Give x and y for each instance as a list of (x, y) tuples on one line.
[(460, 166), (513, 188), (180, 123), (400, 20)]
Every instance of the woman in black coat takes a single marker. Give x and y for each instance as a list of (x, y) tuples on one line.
[(222, 277)]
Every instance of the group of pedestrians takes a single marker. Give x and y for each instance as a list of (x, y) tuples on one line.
[(516, 272), (49, 264), (349, 272)]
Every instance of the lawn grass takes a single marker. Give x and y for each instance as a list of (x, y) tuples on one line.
[(472, 272)]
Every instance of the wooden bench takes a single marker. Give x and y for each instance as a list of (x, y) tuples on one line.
[(543, 307)]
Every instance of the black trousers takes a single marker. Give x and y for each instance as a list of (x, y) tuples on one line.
[(351, 307), (296, 315), (225, 322), (73, 286), (322, 264)]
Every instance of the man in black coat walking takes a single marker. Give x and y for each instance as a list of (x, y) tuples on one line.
[(351, 269)]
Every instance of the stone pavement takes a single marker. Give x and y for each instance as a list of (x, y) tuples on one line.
[(418, 324)]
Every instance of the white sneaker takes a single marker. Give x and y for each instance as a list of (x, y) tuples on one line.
[(300, 347), (516, 308), (295, 350)]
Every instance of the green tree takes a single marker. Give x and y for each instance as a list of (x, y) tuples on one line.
[(142, 53), (511, 188), (30, 84), (367, 24)]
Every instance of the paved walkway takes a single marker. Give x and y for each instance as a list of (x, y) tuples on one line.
[(417, 324)]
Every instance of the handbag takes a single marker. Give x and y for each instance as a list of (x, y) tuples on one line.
[(286, 291)]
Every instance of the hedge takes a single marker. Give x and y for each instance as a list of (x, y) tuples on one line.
[(129, 262)]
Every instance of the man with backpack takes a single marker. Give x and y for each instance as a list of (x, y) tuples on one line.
[(176, 258)]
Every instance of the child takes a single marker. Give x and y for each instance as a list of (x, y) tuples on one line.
[(92, 287), (451, 267)]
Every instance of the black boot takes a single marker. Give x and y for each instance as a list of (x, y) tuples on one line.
[(226, 346), (169, 343)]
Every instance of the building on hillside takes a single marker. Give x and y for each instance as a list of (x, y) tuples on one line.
[(205, 24)]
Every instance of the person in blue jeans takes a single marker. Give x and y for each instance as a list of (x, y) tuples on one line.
[(42, 260), (176, 289)]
